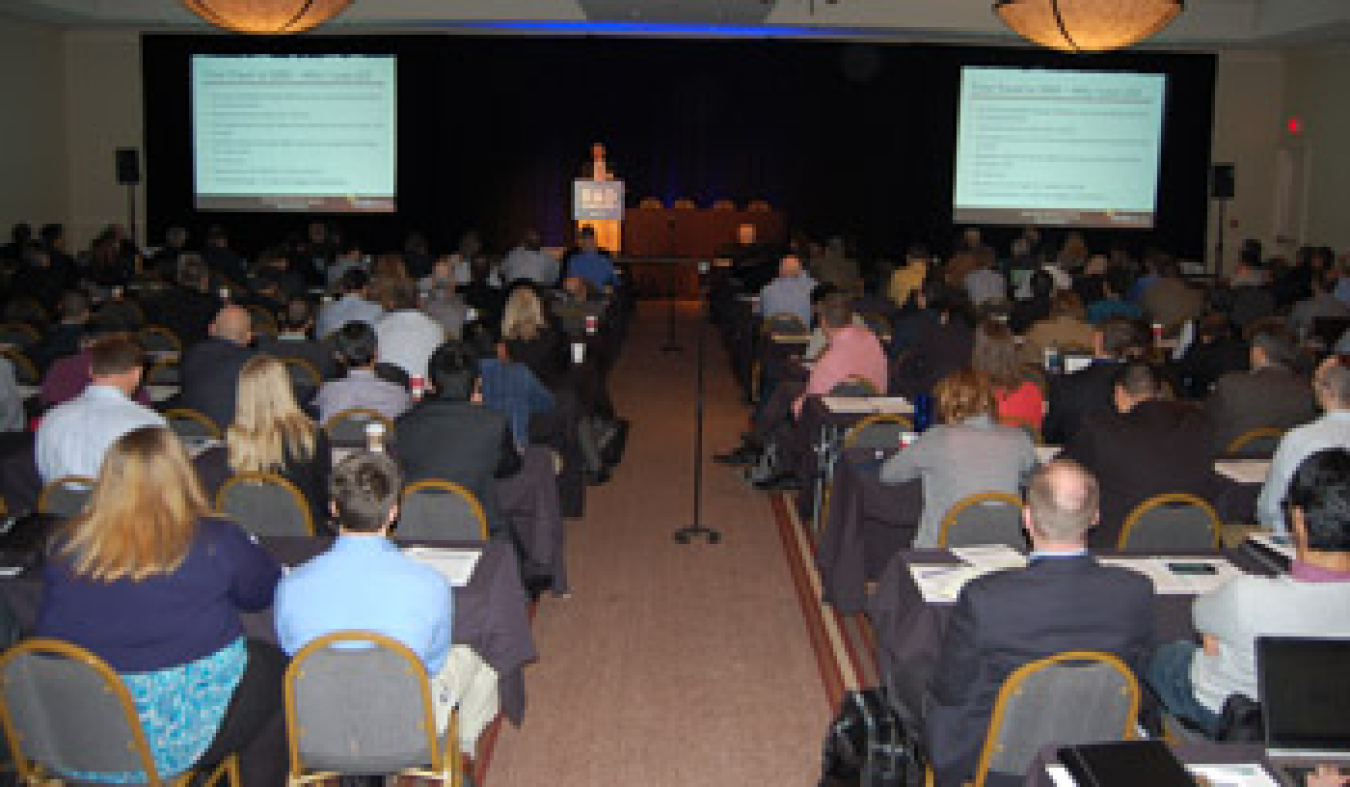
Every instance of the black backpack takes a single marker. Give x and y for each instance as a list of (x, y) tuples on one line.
[(869, 745)]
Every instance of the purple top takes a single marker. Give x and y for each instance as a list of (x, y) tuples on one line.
[(1307, 572), (165, 620), (69, 376)]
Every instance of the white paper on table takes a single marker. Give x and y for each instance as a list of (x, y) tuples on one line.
[(455, 564), (892, 404), (1167, 582), (942, 583), (848, 404), (1244, 471), (1238, 774), (992, 557), (1279, 543), (1046, 453)]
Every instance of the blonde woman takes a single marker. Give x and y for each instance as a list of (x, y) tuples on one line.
[(531, 338), (271, 435), (151, 583)]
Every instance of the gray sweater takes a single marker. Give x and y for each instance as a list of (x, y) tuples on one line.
[(959, 460)]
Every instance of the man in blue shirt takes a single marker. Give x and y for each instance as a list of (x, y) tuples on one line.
[(414, 604), (591, 265), (790, 293)]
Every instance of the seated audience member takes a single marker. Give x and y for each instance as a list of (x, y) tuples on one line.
[(293, 341), (74, 436), (967, 454), (985, 284), (414, 604), (352, 305), (1064, 600), (908, 278), (833, 265), (1018, 387), (818, 341), (221, 260), (407, 335), (592, 264), (1215, 352), (1170, 301), (69, 376), (64, 338), (1331, 386), (532, 339), (1064, 330), (1148, 446), (1312, 600), (790, 293), (1322, 304), (269, 434), (1074, 397), (358, 350), (1270, 395), (508, 387), (188, 308), (210, 369), (530, 262), (1115, 283), (943, 348), (452, 436), (1035, 305), (152, 583), (12, 418), (348, 258), (440, 300)]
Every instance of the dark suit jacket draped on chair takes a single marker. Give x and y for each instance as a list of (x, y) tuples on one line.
[(210, 374), (458, 441), (1157, 447), (1006, 619)]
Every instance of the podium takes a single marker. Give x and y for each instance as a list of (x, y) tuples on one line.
[(599, 204)]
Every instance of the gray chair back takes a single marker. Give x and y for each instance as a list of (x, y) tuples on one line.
[(65, 497), (986, 518), (1067, 699), (159, 338), (18, 334), (1164, 523), (164, 372), (347, 428), (441, 511), (878, 431), (360, 706), (785, 324), (70, 711), (265, 505), (190, 424)]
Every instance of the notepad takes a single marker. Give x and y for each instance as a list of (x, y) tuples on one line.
[(1238, 774), (455, 564), (1168, 582), (1244, 471)]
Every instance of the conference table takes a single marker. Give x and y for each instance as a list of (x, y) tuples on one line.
[(491, 611), (866, 521), (909, 628), (1250, 756)]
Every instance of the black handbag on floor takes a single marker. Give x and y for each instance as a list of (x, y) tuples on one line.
[(868, 745)]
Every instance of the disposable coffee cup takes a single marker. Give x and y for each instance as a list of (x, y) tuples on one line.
[(592, 322), (375, 436), (578, 352)]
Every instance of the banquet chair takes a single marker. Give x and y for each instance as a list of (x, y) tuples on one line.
[(165, 371), (1066, 699), (159, 337), (440, 510), (261, 321), (1259, 442), (363, 709), (191, 424), (854, 385), (64, 710), (984, 518), (265, 504), (27, 309), (347, 427), (1170, 521), (25, 371), (66, 496), (18, 334), (304, 376), (786, 324), (880, 431)]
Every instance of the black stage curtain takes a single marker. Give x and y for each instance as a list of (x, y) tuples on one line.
[(855, 139)]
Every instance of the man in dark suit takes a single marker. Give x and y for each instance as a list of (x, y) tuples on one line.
[(1062, 601), (452, 435), (1147, 446), (210, 368), (297, 324), (1073, 397), (1270, 395)]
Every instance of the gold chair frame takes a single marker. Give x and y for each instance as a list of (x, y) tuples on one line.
[(1215, 523), (196, 416), (449, 487), (972, 500), (254, 477)]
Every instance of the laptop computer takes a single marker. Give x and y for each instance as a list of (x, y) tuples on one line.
[(1305, 694)]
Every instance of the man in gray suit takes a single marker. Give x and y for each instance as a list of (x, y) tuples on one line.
[(1271, 394), (1063, 600)]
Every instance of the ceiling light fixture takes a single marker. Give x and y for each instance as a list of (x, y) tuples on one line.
[(266, 17), (1087, 25)]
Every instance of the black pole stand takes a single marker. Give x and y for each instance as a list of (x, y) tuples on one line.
[(686, 534), (1218, 245), (131, 212)]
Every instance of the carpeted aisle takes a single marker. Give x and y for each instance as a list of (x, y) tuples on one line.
[(670, 665)]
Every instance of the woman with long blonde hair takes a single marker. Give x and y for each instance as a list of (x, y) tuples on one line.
[(151, 583), (270, 434), (531, 337)]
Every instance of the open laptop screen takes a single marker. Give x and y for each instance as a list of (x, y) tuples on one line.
[(1305, 693)]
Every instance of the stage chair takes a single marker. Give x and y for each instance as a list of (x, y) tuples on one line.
[(984, 518), (724, 204), (364, 711), (438, 510), (65, 710), (265, 504), (1166, 522)]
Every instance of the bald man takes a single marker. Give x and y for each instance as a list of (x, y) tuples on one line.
[(210, 368), (790, 293), (1063, 600)]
